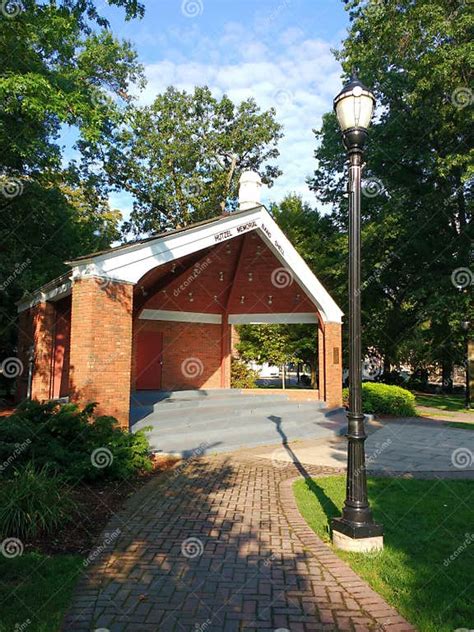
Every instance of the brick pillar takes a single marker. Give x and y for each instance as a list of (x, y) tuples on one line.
[(226, 342), (321, 365), (234, 341), (42, 318), (332, 353), (101, 346)]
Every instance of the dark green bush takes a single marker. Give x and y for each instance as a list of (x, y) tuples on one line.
[(33, 501), (71, 442), (384, 399), (241, 376)]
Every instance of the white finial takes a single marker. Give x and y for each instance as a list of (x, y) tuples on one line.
[(249, 190)]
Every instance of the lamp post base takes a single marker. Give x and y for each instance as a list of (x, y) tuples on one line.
[(357, 537), (357, 545)]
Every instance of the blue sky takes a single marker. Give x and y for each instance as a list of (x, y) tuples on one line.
[(277, 51)]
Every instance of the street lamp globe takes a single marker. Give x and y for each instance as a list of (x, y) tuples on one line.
[(465, 325), (354, 107)]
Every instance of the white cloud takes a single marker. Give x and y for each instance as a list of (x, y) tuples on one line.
[(296, 76)]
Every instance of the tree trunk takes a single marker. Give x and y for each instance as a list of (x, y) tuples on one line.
[(447, 376)]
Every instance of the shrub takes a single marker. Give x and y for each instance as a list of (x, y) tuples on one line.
[(385, 399), (33, 501), (71, 442), (241, 376)]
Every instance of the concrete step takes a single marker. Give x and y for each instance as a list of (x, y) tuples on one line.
[(167, 415), (247, 400), (191, 401), (196, 394), (152, 397), (249, 430), (168, 421)]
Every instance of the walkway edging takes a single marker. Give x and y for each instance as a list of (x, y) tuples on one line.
[(369, 600)]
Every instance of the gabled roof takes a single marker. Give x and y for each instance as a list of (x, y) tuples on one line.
[(130, 262), (137, 242)]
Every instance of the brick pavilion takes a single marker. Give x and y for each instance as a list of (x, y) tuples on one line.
[(158, 313)]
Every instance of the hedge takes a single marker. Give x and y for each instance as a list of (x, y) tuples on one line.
[(385, 399)]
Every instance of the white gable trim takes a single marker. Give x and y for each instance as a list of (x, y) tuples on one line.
[(130, 264), (289, 257), (55, 294)]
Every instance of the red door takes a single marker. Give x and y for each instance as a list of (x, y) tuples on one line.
[(149, 360)]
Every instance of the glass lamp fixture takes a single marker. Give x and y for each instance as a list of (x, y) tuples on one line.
[(354, 107)]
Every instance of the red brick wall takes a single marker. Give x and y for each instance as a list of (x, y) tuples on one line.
[(101, 343), (261, 282), (191, 354), (42, 326), (333, 364), (263, 285)]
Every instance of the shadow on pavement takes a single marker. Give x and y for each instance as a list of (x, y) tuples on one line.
[(327, 504)]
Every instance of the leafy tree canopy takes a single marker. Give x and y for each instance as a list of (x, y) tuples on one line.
[(61, 68), (417, 202), (182, 156), (277, 344)]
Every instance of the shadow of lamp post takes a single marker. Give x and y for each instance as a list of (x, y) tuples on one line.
[(355, 530)]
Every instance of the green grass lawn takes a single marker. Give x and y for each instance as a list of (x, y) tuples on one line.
[(426, 568), (460, 424), (453, 403), (35, 591)]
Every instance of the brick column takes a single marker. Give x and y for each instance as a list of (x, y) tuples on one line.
[(234, 341), (101, 346), (332, 354), (226, 342), (42, 328), (321, 365)]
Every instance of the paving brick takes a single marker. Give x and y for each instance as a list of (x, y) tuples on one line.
[(254, 570)]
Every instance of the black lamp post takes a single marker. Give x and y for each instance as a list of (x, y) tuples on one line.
[(355, 530), (465, 327)]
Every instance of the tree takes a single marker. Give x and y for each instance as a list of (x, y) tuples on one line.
[(279, 344), (265, 343), (181, 157), (61, 67), (417, 207)]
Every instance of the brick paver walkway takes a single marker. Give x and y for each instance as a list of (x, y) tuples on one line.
[(218, 545)]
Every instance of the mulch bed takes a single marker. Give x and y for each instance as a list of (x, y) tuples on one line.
[(95, 506)]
